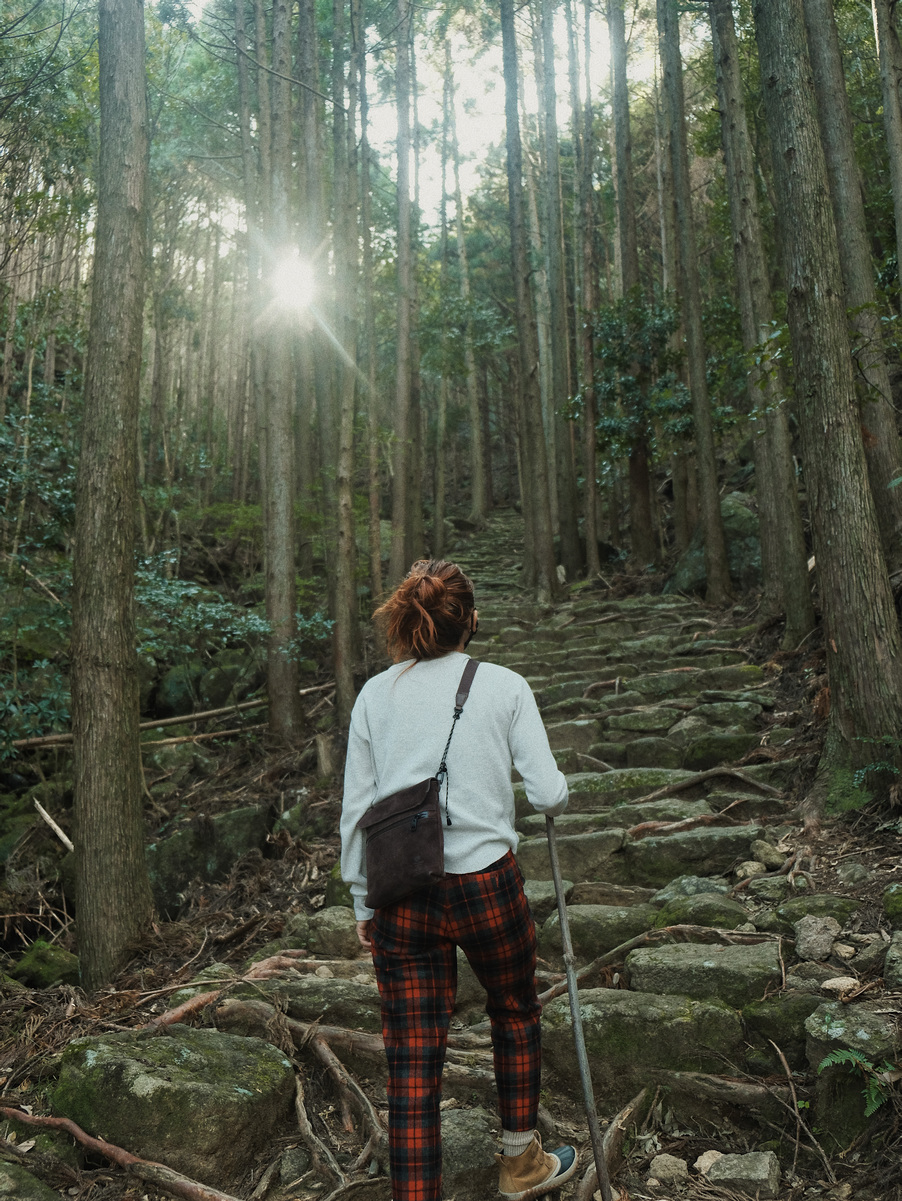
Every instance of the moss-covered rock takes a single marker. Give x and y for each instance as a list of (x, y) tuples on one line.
[(704, 852), (205, 850), (732, 974), (782, 920), (337, 892), (332, 933), (703, 909), (201, 1101), (633, 1037), (718, 747), (892, 905), (582, 856), (595, 929), (17, 1184), (44, 964), (653, 752), (780, 1019), (335, 1001), (177, 689)]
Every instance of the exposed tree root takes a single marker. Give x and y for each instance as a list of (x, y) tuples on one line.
[(143, 1169), (703, 776)]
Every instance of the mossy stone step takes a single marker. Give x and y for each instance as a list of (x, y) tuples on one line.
[(625, 815)]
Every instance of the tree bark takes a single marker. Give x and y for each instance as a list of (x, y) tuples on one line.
[(864, 654), (716, 569), (113, 899), (878, 419), (540, 573), (784, 558)]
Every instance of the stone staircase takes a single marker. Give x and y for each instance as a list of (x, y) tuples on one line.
[(641, 697)]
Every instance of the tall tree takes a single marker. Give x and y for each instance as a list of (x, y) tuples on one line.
[(864, 649), (539, 567), (565, 473), (401, 551), (889, 53), (642, 534), (716, 567), (878, 418), (279, 480), (113, 899), (784, 558)]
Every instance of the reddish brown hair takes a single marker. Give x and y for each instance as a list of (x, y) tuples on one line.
[(428, 612)]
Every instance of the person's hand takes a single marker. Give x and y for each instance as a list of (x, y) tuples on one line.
[(363, 935)]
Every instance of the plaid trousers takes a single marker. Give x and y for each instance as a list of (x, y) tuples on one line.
[(415, 955)]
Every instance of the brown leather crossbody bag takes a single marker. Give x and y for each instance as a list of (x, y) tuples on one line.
[(405, 839)]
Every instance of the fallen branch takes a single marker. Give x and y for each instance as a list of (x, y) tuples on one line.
[(205, 737), (61, 834), (703, 776), (147, 1170), (594, 762), (186, 719), (685, 933), (611, 1146)]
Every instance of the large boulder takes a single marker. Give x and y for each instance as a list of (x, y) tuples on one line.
[(353, 1003), (740, 525), (200, 1101), (633, 1037), (206, 849)]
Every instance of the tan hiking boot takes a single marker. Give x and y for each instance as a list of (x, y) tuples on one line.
[(534, 1169)]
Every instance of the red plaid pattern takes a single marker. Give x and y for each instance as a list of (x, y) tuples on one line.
[(414, 951)]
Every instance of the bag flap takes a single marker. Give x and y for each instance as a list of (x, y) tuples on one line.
[(398, 803)]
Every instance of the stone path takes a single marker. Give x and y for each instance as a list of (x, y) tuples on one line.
[(639, 695)]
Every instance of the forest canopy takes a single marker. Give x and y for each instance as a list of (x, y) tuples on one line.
[(394, 267)]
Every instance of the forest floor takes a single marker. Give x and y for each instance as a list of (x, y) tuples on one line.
[(231, 921)]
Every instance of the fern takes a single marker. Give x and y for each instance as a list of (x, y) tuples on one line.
[(876, 1080)]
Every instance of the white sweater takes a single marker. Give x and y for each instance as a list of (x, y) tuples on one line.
[(399, 727)]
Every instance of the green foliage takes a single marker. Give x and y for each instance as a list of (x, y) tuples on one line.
[(877, 1080), (639, 394)]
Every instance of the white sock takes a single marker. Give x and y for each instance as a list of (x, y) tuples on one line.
[(514, 1142)]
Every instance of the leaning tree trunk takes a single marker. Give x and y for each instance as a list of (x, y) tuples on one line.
[(542, 574), (783, 554), (716, 568), (864, 649), (878, 418), (112, 890)]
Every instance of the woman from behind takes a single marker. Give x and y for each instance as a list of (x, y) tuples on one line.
[(398, 728)]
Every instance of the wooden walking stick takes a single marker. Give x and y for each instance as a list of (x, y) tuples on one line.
[(579, 1040)]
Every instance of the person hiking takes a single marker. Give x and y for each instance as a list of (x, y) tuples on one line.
[(398, 727)]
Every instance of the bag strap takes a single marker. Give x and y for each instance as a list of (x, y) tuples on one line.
[(463, 691)]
